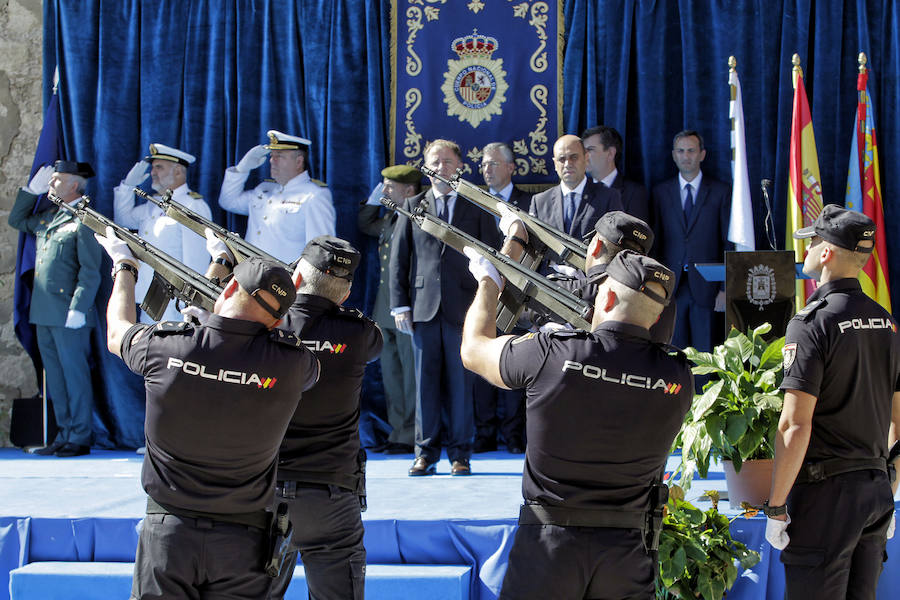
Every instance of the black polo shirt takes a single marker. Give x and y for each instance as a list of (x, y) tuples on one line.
[(219, 398), (602, 411), (843, 348), (322, 441)]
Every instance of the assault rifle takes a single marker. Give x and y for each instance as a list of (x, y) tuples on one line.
[(524, 287), (541, 236), (171, 279), (197, 223)]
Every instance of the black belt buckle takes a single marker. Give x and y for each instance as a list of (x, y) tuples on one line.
[(286, 489), (815, 472)]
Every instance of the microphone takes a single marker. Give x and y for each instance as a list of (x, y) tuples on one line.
[(770, 232)]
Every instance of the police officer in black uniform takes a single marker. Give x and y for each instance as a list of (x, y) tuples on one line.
[(831, 504), (614, 231), (321, 467), (603, 408), (219, 399)]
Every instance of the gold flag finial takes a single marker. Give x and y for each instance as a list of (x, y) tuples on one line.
[(862, 60), (797, 71), (732, 63)]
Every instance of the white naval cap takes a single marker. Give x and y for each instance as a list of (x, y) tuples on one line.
[(283, 141), (163, 152)]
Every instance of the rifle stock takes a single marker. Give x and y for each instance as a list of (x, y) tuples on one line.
[(239, 247), (171, 278), (523, 285), (541, 236)]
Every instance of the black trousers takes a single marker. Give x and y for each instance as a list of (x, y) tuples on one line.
[(198, 559), (328, 535), (498, 410), (570, 563), (838, 534)]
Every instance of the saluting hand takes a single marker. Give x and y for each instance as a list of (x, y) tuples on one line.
[(255, 157), (40, 182), (138, 174)]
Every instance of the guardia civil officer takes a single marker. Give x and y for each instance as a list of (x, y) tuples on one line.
[(831, 504), (66, 280), (219, 399), (321, 467), (614, 231), (168, 171), (287, 211), (602, 410)]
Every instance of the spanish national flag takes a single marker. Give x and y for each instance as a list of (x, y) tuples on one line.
[(804, 188), (864, 190)]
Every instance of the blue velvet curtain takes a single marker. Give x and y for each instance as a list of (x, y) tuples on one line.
[(212, 76)]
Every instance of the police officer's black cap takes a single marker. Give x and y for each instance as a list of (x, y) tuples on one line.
[(402, 174), (625, 230), (332, 255), (258, 274), (841, 227), (82, 169), (635, 270)]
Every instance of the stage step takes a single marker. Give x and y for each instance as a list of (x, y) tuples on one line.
[(105, 580)]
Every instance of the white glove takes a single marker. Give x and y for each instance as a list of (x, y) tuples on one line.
[(196, 313), (75, 319), (117, 249), (550, 327), (255, 157), (40, 183), (776, 532), (567, 270), (892, 525), (507, 219), (480, 267), (217, 247), (404, 323), (138, 174), (375, 196)]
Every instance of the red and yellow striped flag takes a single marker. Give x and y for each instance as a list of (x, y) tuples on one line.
[(864, 190), (804, 188)]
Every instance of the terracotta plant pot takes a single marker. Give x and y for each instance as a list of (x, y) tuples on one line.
[(751, 484)]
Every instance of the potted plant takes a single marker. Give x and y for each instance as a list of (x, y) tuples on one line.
[(735, 417), (698, 558)]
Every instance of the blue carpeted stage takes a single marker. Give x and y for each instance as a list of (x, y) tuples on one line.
[(88, 509)]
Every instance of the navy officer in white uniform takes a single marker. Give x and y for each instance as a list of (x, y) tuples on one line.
[(168, 171), (286, 213)]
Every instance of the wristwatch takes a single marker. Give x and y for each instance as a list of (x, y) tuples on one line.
[(774, 511), (221, 260), (124, 266)]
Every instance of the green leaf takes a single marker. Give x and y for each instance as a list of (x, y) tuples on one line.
[(772, 356), (706, 401), (735, 427), (679, 560)]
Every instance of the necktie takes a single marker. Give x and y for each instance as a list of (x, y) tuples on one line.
[(443, 209), (688, 203), (569, 210)]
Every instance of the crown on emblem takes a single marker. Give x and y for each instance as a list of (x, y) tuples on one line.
[(474, 45)]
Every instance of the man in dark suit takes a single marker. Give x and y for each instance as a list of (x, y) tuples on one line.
[(691, 215), (577, 202), (496, 408), (66, 280), (430, 291), (603, 147)]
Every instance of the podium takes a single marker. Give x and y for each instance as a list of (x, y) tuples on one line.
[(759, 288)]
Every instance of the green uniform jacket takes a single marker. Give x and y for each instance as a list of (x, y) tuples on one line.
[(67, 263)]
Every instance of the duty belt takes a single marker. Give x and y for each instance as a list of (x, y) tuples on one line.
[(538, 514), (818, 471)]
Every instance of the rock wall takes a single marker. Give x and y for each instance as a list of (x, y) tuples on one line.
[(21, 116)]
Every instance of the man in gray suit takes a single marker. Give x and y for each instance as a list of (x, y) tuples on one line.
[(66, 279), (577, 202), (430, 290)]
